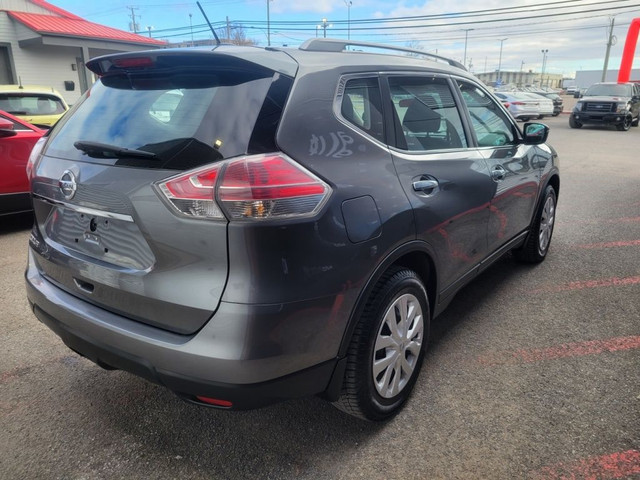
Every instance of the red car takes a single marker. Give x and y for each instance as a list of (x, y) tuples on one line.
[(17, 138)]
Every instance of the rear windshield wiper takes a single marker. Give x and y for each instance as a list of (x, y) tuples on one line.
[(102, 150)]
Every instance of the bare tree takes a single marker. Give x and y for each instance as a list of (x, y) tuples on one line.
[(415, 45), (236, 35)]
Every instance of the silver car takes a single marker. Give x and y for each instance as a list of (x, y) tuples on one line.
[(521, 105)]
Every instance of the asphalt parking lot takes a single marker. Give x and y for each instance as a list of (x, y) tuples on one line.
[(532, 372)]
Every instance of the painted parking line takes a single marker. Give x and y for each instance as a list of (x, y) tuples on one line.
[(605, 467), (581, 285), (629, 243), (566, 350)]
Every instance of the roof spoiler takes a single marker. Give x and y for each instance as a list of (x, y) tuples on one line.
[(336, 45)]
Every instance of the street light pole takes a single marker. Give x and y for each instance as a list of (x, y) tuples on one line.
[(500, 60), (466, 33), (324, 25), (191, 28), (544, 63), (348, 4)]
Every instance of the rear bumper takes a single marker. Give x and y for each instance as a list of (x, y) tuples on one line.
[(15, 203), (248, 355), (525, 114)]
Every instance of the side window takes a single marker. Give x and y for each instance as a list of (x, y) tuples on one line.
[(18, 127), (426, 115), (490, 123), (362, 106)]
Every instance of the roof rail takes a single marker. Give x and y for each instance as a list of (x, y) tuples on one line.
[(336, 45)]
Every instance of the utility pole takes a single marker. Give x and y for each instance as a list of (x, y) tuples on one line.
[(268, 26), (134, 24), (191, 28), (466, 34), (610, 42), (228, 30), (500, 61)]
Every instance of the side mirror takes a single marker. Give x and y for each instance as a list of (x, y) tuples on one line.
[(6, 128), (535, 133)]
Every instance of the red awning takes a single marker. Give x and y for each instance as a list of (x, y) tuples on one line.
[(77, 27)]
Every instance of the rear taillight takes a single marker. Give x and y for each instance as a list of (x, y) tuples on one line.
[(193, 193), (34, 157), (267, 186), (518, 103), (252, 187)]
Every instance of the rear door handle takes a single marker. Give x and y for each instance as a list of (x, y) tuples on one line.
[(426, 186)]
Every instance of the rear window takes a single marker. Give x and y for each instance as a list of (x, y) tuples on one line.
[(185, 119), (31, 104)]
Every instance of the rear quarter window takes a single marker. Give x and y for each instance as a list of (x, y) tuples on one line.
[(362, 106)]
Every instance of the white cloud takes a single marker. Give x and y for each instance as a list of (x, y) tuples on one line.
[(577, 43)]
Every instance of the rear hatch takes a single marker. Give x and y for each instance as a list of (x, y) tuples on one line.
[(104, 230)]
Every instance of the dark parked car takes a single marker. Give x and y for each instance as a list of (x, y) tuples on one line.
[(554, 97), (246, 225), (608, 104), (17, 139)]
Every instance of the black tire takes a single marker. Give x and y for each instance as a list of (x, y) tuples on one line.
[(625, 125), (573, 123), (361, 396), (539, 239)]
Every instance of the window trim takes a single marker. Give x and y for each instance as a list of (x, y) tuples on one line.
[(391, 117), (337, 106), (518, 133)]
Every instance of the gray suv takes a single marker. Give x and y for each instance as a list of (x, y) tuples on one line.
[(247, 225)]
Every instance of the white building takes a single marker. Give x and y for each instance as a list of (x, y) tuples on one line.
[(41, 44), (522, 79), (586, 78)]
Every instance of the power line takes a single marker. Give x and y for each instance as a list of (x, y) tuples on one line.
[(455, 15), (450, 27)]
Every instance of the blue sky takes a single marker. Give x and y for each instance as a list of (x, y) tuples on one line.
[(575, 40)]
